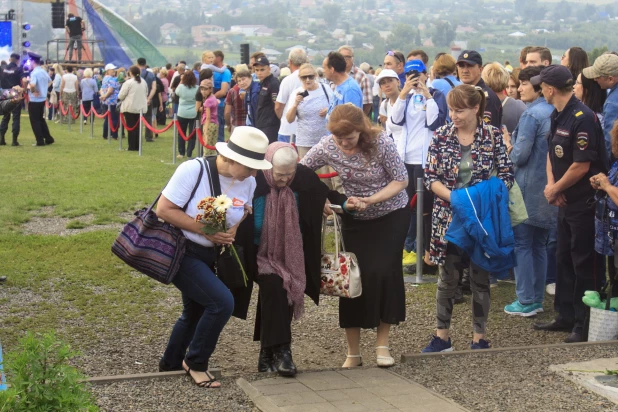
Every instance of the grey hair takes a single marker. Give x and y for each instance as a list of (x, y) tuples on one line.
[(297, 57), (285, 156), (346, 47), (365, 67)]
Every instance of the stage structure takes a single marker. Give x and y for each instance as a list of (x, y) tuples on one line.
[(108, 37)]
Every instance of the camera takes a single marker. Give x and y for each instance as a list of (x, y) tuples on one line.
[(304, 94)]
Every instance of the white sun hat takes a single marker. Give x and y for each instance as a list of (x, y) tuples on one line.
[(247, 146)]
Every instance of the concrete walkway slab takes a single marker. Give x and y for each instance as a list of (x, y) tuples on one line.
[(591, 375), (348, 390)]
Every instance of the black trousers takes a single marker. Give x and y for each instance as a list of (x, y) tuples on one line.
[(87, 105), (4, 126), (578, 267), (38, 123), (273, 319), (187, 126), (132, 119)]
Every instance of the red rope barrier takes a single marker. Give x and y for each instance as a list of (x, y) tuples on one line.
[(200, 138), (111, 123), (103, 116), (81, 107), (157, 131), (73, 113), (327, 175), (128, 129), (181, 133), (64, 112), (413, 202), (48, 104)]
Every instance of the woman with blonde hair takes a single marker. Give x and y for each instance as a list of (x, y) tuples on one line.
[(89, 89), (444, 69), (497, 78), (461, 154), (375, 221), (56, 88), (512, 90)]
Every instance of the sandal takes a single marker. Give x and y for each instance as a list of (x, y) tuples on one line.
[(354, 356), (385, 361), (203, 384)]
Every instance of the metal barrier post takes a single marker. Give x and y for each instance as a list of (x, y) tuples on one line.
[(81, 118), (420, 250), (91, 117), (120, 131), (109, 126), (69, 117), (175, 141), (200, 148), (140, 132)]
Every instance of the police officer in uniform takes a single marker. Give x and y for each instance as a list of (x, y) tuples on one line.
[(576, 153), (469, 68), (11, 77)]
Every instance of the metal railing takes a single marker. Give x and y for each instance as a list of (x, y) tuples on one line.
[(58, 52)]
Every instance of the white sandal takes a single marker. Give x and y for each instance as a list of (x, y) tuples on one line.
[(354, 356), (385, 361)]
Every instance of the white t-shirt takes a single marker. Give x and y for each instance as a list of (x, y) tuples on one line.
[(70, 80), (286, 88), (393, 130), (311, 126), (179, 189)]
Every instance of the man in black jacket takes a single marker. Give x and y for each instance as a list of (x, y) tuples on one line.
[(469, 67), (266, 118), (11, 77)]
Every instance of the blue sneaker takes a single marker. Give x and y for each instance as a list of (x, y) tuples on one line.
[(538, 307), (481, 344), (517, 308), (438, 345)]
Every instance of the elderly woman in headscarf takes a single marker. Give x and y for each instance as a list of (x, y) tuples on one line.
[(288, 204)]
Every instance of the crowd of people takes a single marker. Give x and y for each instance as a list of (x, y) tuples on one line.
[(492, 143)]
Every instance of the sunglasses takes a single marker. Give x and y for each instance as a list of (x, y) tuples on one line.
[(205, 88), (395, 55), (311, 77)]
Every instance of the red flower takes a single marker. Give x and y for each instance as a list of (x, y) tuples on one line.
[(344, 269), (342, 259)]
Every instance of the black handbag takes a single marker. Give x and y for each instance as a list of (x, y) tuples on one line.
[(226, 266)]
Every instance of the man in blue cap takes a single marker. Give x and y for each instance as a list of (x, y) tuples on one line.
[(470, 67), (37, 92), (576, 153)]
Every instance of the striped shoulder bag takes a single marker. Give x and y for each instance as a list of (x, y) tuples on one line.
[(152, 246)]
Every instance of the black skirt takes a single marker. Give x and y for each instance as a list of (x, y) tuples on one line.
[(377, 244)]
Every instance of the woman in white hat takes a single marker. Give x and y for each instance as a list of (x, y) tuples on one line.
[(109, 97), (207, 302)]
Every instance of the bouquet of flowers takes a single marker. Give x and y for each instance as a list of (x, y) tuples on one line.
[(213, 217)]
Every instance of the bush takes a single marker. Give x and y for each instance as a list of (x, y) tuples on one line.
[(41, 378)]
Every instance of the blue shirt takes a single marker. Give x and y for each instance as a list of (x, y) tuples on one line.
[(529, 156), (610, 115), (220, 78), (40, 79), (111, 82), (347, 92), (89, 89), (444, 86)]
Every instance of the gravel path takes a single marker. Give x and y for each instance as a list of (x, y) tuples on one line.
[(511, 381)]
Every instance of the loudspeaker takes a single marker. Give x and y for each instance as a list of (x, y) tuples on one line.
[(57, 15), (244, 54)]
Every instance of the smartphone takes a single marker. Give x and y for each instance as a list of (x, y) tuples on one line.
[(412, 73), (304, 94)]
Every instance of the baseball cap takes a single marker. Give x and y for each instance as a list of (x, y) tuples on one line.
[(15, 56), (275, 70), (386, 74), (262, 61), (470, 57), (604, 65), (555, 75), (110, 66), (417, 65)]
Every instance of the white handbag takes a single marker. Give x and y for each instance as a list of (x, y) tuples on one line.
[(340, 274)]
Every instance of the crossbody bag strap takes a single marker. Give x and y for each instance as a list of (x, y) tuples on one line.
[(326, 94), (213, 176), (197, 184), (450, 82)]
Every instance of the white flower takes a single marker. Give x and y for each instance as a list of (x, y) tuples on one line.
[(222, 203)]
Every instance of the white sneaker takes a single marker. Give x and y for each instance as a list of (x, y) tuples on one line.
[(551, 289)]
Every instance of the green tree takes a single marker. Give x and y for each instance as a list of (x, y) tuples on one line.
[(562, 10), (596, 52), (330, 14), (444, 34), (402, 37)]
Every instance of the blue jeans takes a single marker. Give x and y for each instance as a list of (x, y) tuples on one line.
[(551, 256), (207, 306), (531, 269), (283, 138), (221, 117)]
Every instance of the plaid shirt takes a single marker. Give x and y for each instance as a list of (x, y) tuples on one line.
[(364, 83), (238, 116)]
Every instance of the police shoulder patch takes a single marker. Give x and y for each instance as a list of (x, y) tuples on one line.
[(579, 113), (582, 140)]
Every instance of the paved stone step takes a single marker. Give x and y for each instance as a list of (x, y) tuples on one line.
[(347, 390)]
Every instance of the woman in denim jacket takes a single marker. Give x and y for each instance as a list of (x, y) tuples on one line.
[(528, 152)]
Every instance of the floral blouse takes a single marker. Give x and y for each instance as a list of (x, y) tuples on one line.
[(362, 176), (443, 159)]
